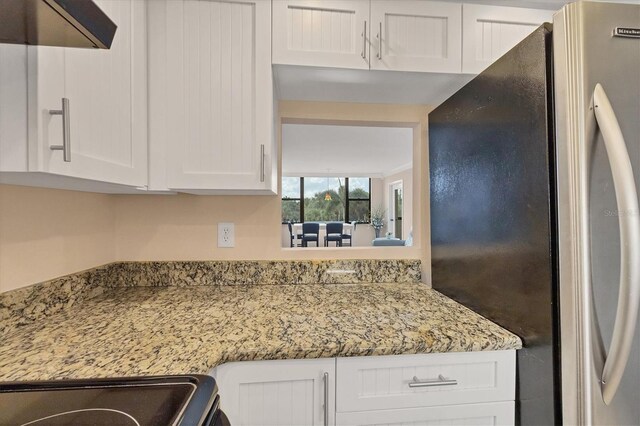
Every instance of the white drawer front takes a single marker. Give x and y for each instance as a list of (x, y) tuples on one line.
[(382, 382), (495, 413)]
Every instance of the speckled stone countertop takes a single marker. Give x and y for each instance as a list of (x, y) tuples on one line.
[(175, 330)]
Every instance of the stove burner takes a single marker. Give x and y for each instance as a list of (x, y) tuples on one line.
[(107, 416), (137, 405), (134, 401)]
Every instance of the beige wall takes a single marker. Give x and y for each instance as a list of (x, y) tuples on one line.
[(184, 227), (46, 233)]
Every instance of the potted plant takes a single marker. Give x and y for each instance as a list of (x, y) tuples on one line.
[(377, 219)]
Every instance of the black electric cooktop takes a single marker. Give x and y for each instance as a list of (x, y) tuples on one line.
[(145, 401)]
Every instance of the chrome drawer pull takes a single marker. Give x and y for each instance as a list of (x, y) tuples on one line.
[(364, 41), (380, 42), (262, 163), (66, 130), (440, 381), (325, 379)]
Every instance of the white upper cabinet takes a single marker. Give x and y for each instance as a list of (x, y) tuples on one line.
[(490, 31), (416, 35), (105, 115), (211, 96), (411, 35), (331, 33), (107, 97), (398, 35)]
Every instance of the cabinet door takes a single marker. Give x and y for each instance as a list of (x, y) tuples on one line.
[(490, 31), (13, 107), (211, 94), (284, 392), (416, 35), (324, 33), (107, 103), (497, 413)]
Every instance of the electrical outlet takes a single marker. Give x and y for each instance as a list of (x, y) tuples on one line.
[(226, 235)]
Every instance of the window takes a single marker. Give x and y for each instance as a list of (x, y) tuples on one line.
[(359, 202), (291, 190), (326, 199), (323, 199)]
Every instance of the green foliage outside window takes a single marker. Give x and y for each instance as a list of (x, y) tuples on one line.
[(291, 211), (330, 204), (359, 210), (321, 209)]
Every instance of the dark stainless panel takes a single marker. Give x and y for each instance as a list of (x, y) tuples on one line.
[(492, 220)]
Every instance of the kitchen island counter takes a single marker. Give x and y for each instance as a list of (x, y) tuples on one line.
[(178, 330)]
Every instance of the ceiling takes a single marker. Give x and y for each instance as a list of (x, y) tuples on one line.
[(353, 151)]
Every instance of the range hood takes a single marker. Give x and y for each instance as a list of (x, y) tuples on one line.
[(66, 23)]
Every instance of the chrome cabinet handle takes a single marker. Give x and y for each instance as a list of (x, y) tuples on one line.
[(66, 130), (440, 381), (325, 380), (629, 224), (262, 163), (364, 41), (380, 42)]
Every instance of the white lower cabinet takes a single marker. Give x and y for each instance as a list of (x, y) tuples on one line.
[(497, 413), (466, 388), (280, 393), (408, 381)]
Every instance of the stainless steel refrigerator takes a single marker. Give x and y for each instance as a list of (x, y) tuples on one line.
[(534, 171)]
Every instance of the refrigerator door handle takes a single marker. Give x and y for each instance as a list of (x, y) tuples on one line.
[(629, 222)]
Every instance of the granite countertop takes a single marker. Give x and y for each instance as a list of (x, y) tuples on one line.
[(178, 330)]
